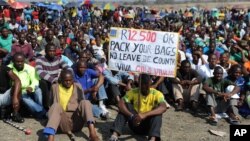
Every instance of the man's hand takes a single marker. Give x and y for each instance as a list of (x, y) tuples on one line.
[(29, 90), (15, 103), (138, 119), (94, 89), (94, 98)]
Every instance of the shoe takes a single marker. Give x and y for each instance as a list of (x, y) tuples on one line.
[(104, 109), (213, 120), (105, 116), (16, 117), (113, 138), (222, 115)]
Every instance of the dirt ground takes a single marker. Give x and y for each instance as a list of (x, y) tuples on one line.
[(177, 126)]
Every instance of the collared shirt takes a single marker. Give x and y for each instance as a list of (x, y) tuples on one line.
[(27, 76), (86, 80), (26, 49)]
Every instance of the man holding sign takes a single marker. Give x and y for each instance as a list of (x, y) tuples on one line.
[(144, 118)]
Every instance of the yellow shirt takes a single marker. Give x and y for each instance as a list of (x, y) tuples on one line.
[(64, 95), (147, 103)]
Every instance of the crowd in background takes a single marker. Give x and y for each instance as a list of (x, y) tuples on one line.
[(37, 43)]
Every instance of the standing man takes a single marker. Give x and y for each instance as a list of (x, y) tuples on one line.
[(9, 94), (143, 108), (69, 110)]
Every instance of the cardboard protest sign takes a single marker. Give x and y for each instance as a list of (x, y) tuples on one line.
[(143, 51)]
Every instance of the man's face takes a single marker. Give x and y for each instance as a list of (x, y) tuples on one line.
[(19, 62), (144, 88), (51, 52), (212, 60), (186, 67), (218, 73), (237, 73), (81, 68), (5, 32), (67, 81), (22, 38), (224, 58), (50, 35)]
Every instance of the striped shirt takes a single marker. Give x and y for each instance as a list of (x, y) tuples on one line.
[(49, 70)]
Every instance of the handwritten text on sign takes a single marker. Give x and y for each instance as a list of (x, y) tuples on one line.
[(146, 51)]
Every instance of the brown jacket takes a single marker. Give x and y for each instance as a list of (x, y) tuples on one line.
[(75, 99)]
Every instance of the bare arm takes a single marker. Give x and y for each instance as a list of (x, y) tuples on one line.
[(123, 108), (157, 111), (16, 89), (158, 82)]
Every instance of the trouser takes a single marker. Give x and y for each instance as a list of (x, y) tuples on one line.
[(34, 102), (220, 105), (45, 87), (190, 94), (70, 120), (5, 98), (150, 126)]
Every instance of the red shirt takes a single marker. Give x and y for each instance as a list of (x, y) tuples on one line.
[(26, 49), (6, 13), (35, 15)]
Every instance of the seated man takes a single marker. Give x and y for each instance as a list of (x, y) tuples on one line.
[(186, 86), (69, 110), (48, 68), (31, 93), (218, 99), (145, 118), (85, 77), (23, 47), (8, 94)]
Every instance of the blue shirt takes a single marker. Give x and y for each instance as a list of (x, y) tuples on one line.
[(86, 80), (240, 82)]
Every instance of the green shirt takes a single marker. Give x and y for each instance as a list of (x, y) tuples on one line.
[(238, 56), (27, 76), (5, 25), (218, 86), (6, 43)]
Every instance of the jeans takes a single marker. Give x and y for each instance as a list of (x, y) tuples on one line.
[(97, 111), (34, 101), (120, 76), (5, 98), (101, 92)]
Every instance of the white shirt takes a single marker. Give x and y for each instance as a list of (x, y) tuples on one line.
[(13, 26), (98, 52), (206, 72)]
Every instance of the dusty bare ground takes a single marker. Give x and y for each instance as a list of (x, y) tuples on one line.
[(177, 126)]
